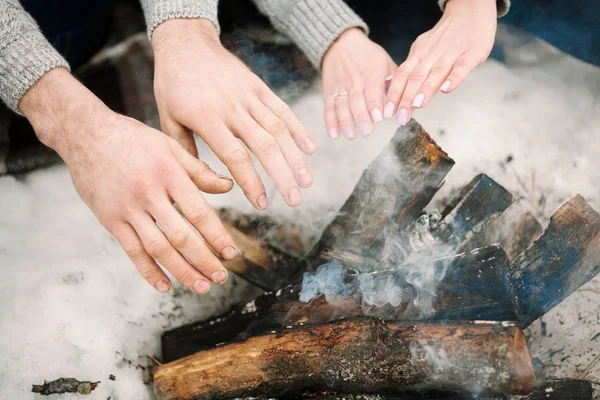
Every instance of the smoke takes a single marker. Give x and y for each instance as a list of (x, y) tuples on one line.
[(406, 281)]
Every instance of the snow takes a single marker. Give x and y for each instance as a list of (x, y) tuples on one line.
[(72, 305)]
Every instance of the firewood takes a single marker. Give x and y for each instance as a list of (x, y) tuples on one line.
[(515, 230), (564, 258), (472, 288), (562, 390), (390, 194), (362, 355)]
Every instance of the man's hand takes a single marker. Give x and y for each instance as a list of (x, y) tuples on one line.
[(358, 67), (129, 175), (441, 58), (201, 87)]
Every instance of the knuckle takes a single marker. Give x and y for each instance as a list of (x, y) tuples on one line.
[(278, 128), (281, 108), (134, 251), (197, 214), (186, 277), (147, 272), (437, 70), (238, 156), (402, 72), (394, 94), (141, 188), (266, 144), (159, 249), (180, 238), (419, 74)]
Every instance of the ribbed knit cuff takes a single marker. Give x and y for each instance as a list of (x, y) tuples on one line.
[(315, 24), (159, 11), (25, 56), (502, 6)]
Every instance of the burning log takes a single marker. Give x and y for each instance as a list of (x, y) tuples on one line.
[(263, 264), (363, 355), (471, 288), (389, 196), (563, 259), (516, 229)]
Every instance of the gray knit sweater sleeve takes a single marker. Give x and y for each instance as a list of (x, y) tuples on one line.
[(158, 11), (25, 55), (502, 6), (312, 24)]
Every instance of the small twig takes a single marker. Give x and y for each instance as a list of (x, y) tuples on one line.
[(154, 359), (589, 368)]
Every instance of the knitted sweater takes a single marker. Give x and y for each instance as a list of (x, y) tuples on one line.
[(25, 55)]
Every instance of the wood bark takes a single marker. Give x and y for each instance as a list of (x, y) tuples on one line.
[(472, 288), (390, 194), (564, 258), (363, 355)]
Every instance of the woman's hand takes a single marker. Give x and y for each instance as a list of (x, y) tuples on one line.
[(356, 68), (441, 58), (129, 175), (201, 87)]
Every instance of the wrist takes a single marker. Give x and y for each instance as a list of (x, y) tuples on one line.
[(452, 6), (177, 31), (350, 36), (58, 104)]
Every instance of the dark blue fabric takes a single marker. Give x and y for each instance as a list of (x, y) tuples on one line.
[(573, 26), (76, 28)]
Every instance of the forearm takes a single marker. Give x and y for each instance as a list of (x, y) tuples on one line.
[(312, 24), (25, 55), (158, 11)]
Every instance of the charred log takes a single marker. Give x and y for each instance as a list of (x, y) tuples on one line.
[(356, 356)]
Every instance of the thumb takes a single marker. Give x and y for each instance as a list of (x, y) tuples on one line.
[(203, 177), (181, 134)]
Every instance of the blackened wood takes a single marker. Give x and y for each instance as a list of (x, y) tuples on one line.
[(472, 288), (390, 194), (478, 203), (563, 259), (363, 355), (515, 230), (563, 390), (261, 262)]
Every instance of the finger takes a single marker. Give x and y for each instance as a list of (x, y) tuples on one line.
[(203, 177), (159, 248), (437, 76), (414, 82), (146, 266), (396, 89), (267, 150), (374, 94), (285, 113), (278, 129), (181, 134), (464, 65), (358, 106), (188, 242), (331, 121), (345, 117), (230, 151)]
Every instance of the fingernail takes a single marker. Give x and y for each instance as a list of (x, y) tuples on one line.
[(418, 100), (388, 111), (219, 277), (295, 197), (263, 202), (162, 286), (389, 78), (376, 115), (238, 254), (446, 86), (365, 129), (310, 145), (229, 253), (201, 286), (225, 177), (304, 177), (349, 132), (334, 133), (402, 117)]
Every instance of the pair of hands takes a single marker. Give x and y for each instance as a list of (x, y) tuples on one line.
[(130, 175), (439, 60)]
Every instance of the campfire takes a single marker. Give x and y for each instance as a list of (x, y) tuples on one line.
[(395, 299)]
